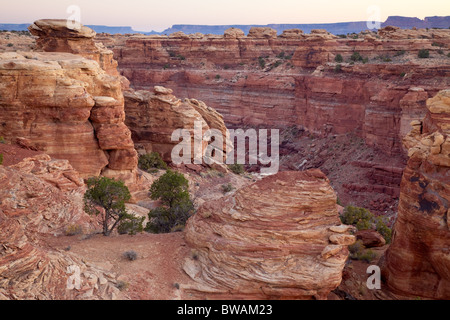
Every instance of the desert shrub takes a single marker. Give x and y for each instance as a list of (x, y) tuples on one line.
[(277, 63), (342, 36), (236, 168), (363, 219), (172, 189), (338, 68), (2, 140), (338, 58), (424, 53), (365, 60), (106, 197), (281, 55), (227, 188), (440, 51), (130, 255), (359, 252), (10, 45), (384, 230), (122, 285), (1, 159), (73, 230), (399, 53), (356, 56), (151, 162), (217, 76), (262, 62), (403, 74), (359, 217), (131, 225)]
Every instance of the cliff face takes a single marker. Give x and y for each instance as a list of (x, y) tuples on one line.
[(277, 238), (68, 107), (291, 79), (418, 260)]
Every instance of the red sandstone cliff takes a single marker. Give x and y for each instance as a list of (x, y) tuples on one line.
[(418, 260), (68, 107), (264, 79)]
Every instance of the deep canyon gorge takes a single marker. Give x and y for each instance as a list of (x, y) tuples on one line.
[(363, 119)]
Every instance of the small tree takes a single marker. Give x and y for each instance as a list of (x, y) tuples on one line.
[(424, 54), (172, 189), (356, 56), (338, 58), (151, 162), (107, 197)]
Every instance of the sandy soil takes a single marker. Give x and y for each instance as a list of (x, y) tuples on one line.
[(154, 275)]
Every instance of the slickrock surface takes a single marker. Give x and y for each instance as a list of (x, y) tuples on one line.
[(418, 260), (68, 107), (277, 238), (41, 197)]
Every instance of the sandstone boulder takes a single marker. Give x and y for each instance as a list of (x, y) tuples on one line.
[(41, 198), (262, 32), (269, 240), (233, 33), (370, 238)]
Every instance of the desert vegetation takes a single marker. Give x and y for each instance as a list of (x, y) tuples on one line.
[(106, 198), (172, 190)]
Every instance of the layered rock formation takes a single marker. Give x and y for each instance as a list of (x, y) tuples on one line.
[(264, 79), (279, 238), (68, 107), (41, 197), (67, 36), (153, 117), (418, 260)]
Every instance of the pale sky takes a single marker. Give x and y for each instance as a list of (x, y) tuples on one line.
[(146, 15)]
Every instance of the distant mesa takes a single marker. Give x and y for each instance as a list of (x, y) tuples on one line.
[(334, 28)]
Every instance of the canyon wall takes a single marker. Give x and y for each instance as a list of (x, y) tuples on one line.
[(292, 79), (418, 261)]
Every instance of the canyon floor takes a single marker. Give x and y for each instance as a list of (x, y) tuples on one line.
[(157, 272)]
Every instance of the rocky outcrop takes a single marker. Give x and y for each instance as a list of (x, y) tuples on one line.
[(42, 197), (154, 116), (418, 260), (67, 36), (68, 107), (279, 238)]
